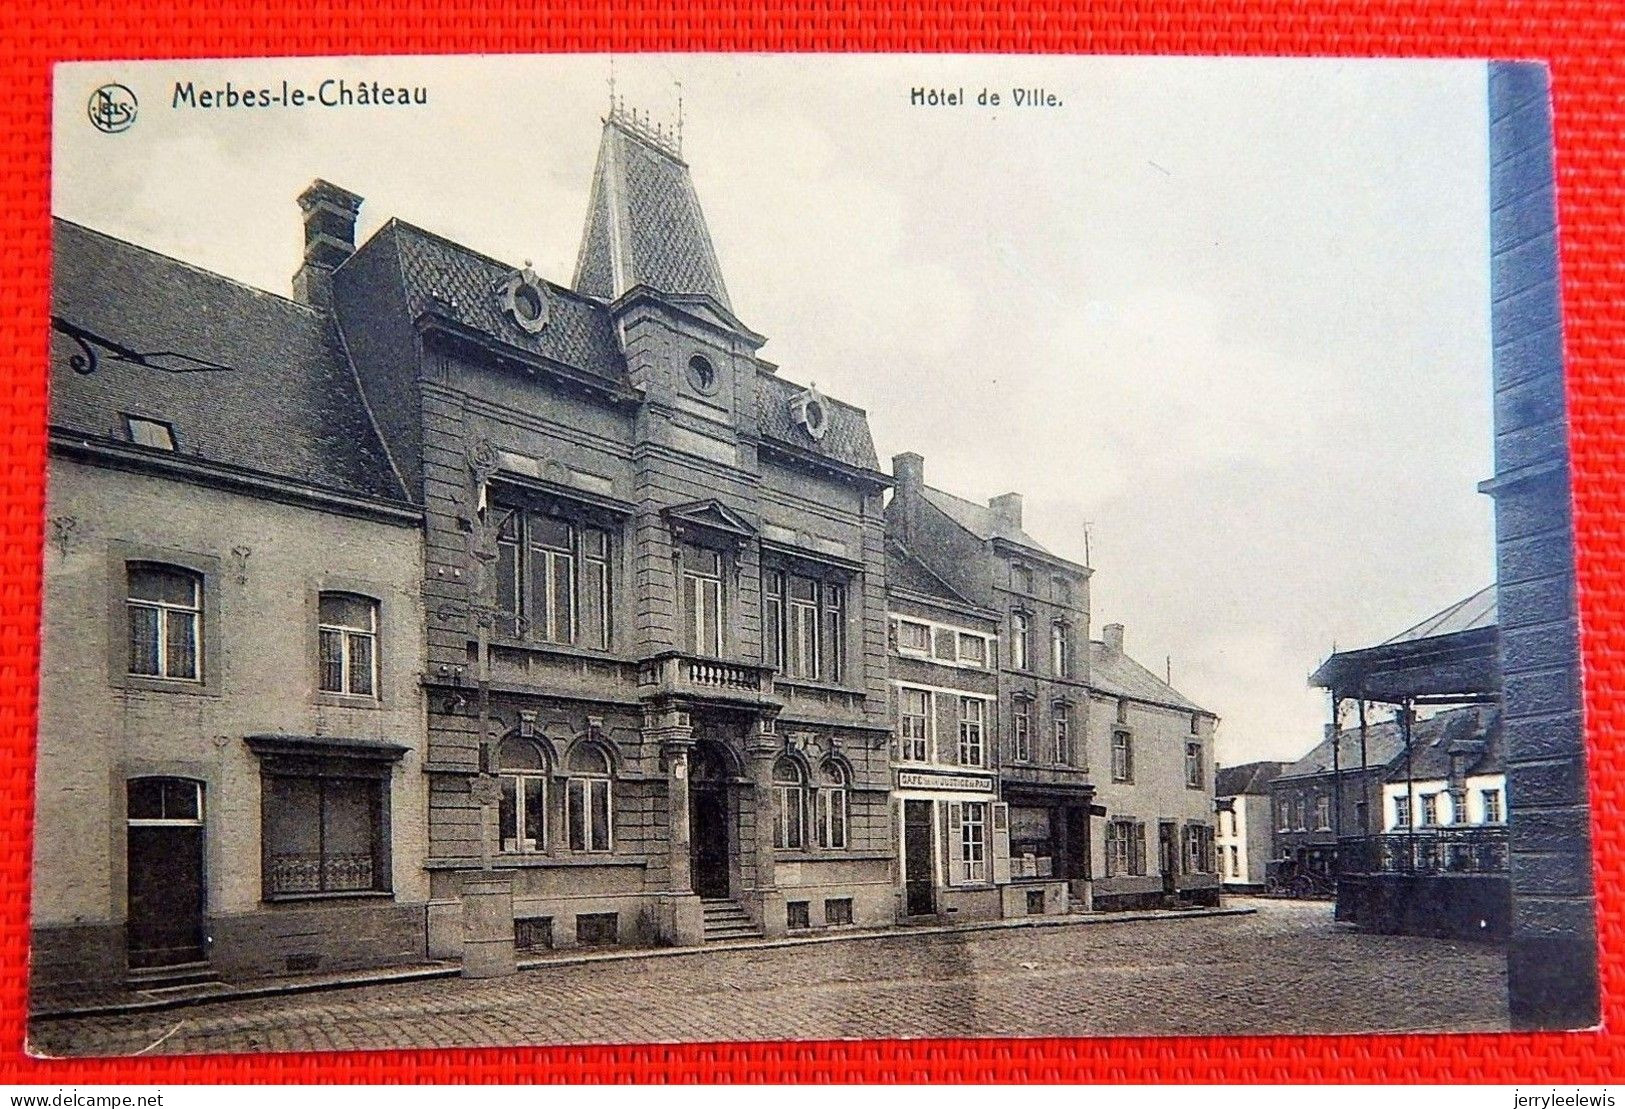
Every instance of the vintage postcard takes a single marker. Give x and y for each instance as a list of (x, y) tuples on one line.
[(629, 549)]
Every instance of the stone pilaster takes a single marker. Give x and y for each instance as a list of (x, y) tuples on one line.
[(761, 751), (682, 920)]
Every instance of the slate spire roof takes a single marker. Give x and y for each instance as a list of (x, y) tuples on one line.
[(644, 224)]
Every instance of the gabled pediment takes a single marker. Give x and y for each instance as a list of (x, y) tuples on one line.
[(712, 516)]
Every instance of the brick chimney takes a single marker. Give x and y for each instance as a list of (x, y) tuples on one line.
[(909, 471), (1112, 636), (330, 214), (1006, 509)]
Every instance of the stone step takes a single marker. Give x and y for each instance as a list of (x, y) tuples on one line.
[(740, 932)]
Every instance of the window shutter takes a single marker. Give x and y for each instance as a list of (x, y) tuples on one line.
[(1001, 843), (1111, 848), (955, 849), (1137, 850)]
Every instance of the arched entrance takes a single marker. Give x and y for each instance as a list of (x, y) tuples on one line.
[(164, 875), (710, 819)]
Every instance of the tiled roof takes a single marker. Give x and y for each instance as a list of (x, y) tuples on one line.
[(1251, 777), (1475, 734), (1384, 744), (978, 519), (906, 572), (461, 283), (288, 407), (644, 224), (1477, 611), (1116, 675), (847, 439)]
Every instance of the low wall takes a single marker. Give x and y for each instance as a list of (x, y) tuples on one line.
[(1461, 906)]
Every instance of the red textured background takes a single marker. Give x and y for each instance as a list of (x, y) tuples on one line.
[(1581, 40)]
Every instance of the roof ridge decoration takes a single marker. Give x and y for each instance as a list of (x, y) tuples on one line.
[(644, 223)]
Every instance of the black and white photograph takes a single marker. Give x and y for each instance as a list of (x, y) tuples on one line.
[(677, 548)]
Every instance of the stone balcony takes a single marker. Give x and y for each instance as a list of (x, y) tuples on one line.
[(699, 678)]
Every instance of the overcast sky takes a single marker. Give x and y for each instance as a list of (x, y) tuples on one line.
[(1229, 315)]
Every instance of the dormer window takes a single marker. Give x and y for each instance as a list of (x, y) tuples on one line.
[(524, 300), (144, 432), (811, 411)]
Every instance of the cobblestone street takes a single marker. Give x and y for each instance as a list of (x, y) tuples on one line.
[(1288, 968)]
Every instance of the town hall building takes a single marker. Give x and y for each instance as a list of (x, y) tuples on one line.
[(441, 611)]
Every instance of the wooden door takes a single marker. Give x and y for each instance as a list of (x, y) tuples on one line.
[(164, 875), (708, 840), (918, 885)]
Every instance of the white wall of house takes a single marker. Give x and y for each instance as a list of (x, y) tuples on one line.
[(1480, 809)]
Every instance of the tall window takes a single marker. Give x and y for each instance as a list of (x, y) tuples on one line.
[(347, 630), (972, 750), (830, 817), (1492, 805), (1193, 765), (522, 806), (1323, 812), (1061, 735), (553, 579), (589, 802), (1021, 578), (1283, 815), (1021, 729), (1402, 811), (1199, 849), (1122, 756), (702, 599), (166, 617), (914, 725), (806, 626), (973, 842), (323, 835), (1430, 810), (1125, 848), (1060, 650), (1235, 862), (790, 795), (1019, 641)]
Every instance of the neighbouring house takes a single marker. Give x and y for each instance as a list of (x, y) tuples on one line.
[(231, 753), (945, 685), (1107, 771), (1245, 834)]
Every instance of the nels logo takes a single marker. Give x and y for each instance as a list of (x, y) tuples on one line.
[(112, 108)]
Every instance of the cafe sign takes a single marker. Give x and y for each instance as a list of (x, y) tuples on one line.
[(917, 779)]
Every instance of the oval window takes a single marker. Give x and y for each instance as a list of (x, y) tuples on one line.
[(702, 375)]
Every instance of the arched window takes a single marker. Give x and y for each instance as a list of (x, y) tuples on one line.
[(166, 621), (347, 630), (1060, 650), (522, 811), (790, 791), (588, 799), (831, 805)]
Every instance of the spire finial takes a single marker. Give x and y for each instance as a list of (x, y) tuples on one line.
[(612, 84), (679, 85)]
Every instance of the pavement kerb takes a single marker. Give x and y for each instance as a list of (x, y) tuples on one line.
[(452, 970)]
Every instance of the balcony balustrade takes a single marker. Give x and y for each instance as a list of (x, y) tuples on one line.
[(680, 674)]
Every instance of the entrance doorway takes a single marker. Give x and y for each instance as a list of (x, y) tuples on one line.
[(164, 876), (708, 822), (1167, 854), (919, 896), (1077, 842)]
